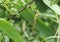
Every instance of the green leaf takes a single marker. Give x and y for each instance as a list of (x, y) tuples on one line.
[(10, 30), (41, 6), (54, 7), (44, 10), (54, 1)]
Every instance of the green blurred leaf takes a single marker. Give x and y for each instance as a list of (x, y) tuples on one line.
[(54, 7), (10, 30)]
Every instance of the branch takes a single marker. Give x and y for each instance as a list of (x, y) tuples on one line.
[(23, 8)]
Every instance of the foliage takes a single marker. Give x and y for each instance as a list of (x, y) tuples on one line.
[(29, 20)]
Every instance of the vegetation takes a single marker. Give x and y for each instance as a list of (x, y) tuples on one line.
[(29, 20)]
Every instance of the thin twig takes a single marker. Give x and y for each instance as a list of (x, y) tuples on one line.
[(23, 8), (35, 19)]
